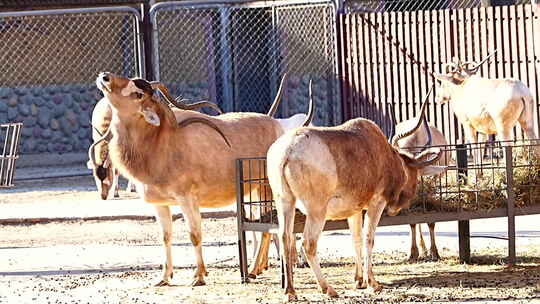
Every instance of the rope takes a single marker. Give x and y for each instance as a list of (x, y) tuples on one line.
[(397, 45)]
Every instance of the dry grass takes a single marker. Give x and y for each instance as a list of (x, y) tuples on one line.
[(453, 191)]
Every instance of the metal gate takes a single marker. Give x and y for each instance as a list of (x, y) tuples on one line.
[(235, 53)]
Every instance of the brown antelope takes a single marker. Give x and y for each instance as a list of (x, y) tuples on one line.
[(180, 157), (333, 173)]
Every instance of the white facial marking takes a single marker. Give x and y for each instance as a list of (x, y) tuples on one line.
[(130, 89)]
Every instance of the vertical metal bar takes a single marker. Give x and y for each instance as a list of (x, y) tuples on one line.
[(153, 48), (462, 163), (144, 43), (464, 241), (240, 220), (510, 205), (226, 53)]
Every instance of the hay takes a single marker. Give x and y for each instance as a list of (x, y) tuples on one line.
[(448, 193)]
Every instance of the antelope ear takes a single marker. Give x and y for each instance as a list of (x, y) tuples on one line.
[(432, 170), (151, 117)]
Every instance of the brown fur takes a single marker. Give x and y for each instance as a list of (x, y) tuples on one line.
[(335, 173)]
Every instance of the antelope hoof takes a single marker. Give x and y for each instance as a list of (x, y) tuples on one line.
[(290, 297), (435, 256), (116, 195), (198, 282), (413, 259), (252, 276), (331, 292), (162, 283), (361, 284), (374, 287)]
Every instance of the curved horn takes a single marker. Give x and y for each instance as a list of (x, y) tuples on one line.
[(156, 85), (422, 162), (205, 121), (311, 110), (95, 129), (428, 130), (390, 134), (406, 133), (180, 103), (278, 98), (91, 155), (450, 68), (472, 70)]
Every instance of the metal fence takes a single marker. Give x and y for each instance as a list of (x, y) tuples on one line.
[(496, 186), (9, 136), (235, 53), (388, 56), (50, 59)]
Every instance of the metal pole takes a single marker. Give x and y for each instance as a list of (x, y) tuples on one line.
[(240, 218), (464, 242), (462, 162), (146, 47), (510, 206)]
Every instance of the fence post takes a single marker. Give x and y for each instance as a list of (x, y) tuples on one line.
[(240, 219), (147, 70), (464, 242), (462, 162), (226, 63), (510, 205), (463, 226)]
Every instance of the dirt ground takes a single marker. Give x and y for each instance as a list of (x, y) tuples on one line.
[(118, 262)]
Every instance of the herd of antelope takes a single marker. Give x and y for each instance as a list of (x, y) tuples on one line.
[(177, 156)]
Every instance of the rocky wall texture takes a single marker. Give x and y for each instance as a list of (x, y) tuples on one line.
[(56, 119)]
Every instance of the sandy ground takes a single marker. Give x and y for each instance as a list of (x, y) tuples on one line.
[(118, 261)]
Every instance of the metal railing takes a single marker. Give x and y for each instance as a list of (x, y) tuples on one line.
[(494, 185), (9, 135)]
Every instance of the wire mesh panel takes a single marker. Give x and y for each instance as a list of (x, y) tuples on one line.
[(50, 60), (392, 49), (236, 54), (9, 136)]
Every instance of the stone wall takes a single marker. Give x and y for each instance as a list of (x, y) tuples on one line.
[(56, 119)]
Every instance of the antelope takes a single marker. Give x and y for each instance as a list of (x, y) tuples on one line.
[(105, 175), (485, 105), (333, 173), (423, 137), (160, 150)]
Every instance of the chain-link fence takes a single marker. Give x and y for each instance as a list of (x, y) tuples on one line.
[(235, 54), (50, 60)]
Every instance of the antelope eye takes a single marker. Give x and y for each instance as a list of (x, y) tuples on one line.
[(138, 95)]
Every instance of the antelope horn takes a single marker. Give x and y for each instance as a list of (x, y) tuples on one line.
[(91, 154), (278, 98), (390, 110), (205, 121), (450, 68), (406, 133), (428, 130), (180, 103), (421, 160), (471, 70), (95, 129), (156, 85), (311, 110)]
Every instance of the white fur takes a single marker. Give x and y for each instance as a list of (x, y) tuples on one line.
[(130, 89)]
